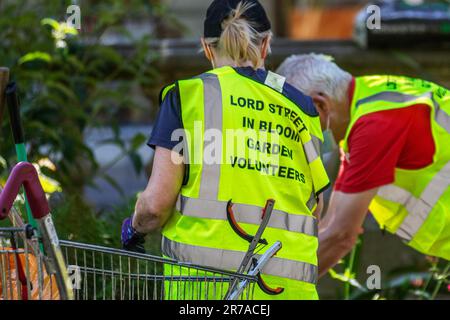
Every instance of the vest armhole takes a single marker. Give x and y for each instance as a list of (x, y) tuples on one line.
[(323, 189), (164, 91), (186, 165)]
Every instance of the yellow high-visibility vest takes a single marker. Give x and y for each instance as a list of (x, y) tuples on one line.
[(416, 206), (267, 147)]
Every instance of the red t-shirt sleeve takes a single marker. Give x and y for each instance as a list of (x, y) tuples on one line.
[(381, 141)]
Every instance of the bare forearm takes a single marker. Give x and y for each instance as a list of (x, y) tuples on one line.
[(332, 249), (318, 212), (155, 205), (147, 218), (342, 225)]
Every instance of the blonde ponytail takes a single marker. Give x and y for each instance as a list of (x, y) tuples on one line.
[(239, 41)]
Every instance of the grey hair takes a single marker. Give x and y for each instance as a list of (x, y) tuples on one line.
[(316, 73)]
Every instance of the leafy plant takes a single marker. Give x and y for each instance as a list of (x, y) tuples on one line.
[(76, 221), (408, 283), (348, 276), (71, 82)]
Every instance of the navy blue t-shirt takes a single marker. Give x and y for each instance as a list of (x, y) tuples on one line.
[(169, 114)]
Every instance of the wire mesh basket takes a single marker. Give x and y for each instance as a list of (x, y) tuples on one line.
[(24, 272), (111, 274)]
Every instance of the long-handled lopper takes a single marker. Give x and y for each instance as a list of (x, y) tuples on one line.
[(249, 262), (18, 135), (4, 78)]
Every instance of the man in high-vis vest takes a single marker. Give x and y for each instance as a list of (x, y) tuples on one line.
[(246, 136), (395, 141)]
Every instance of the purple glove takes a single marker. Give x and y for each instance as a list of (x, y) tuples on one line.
[(131, 239)]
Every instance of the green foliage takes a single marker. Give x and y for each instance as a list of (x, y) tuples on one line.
[(70, 81), (407, 283), (76, 221), (348, 276)]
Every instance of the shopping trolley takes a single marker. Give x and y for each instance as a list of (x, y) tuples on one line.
[(71, 270), (113, 274)]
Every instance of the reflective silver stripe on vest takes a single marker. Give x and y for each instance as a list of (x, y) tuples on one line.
[(310, 151), (212, 209), (440, 116), (312, 201), (418, 209), (393, 96), (209, 186), (317, 143), (230, 260)]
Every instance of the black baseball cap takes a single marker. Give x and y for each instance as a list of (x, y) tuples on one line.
[(219, 10)]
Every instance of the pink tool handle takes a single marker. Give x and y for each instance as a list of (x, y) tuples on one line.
[(24, 174)]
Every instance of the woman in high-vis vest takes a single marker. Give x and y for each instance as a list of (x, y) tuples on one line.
[(235, 133), (395, 134)]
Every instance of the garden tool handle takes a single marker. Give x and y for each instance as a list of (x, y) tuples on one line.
[(14, 113), (258, 265), (266, 288), (12, 99), (24, 174), (4, 78), (266, 212), (236, 289), (237, 228)]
